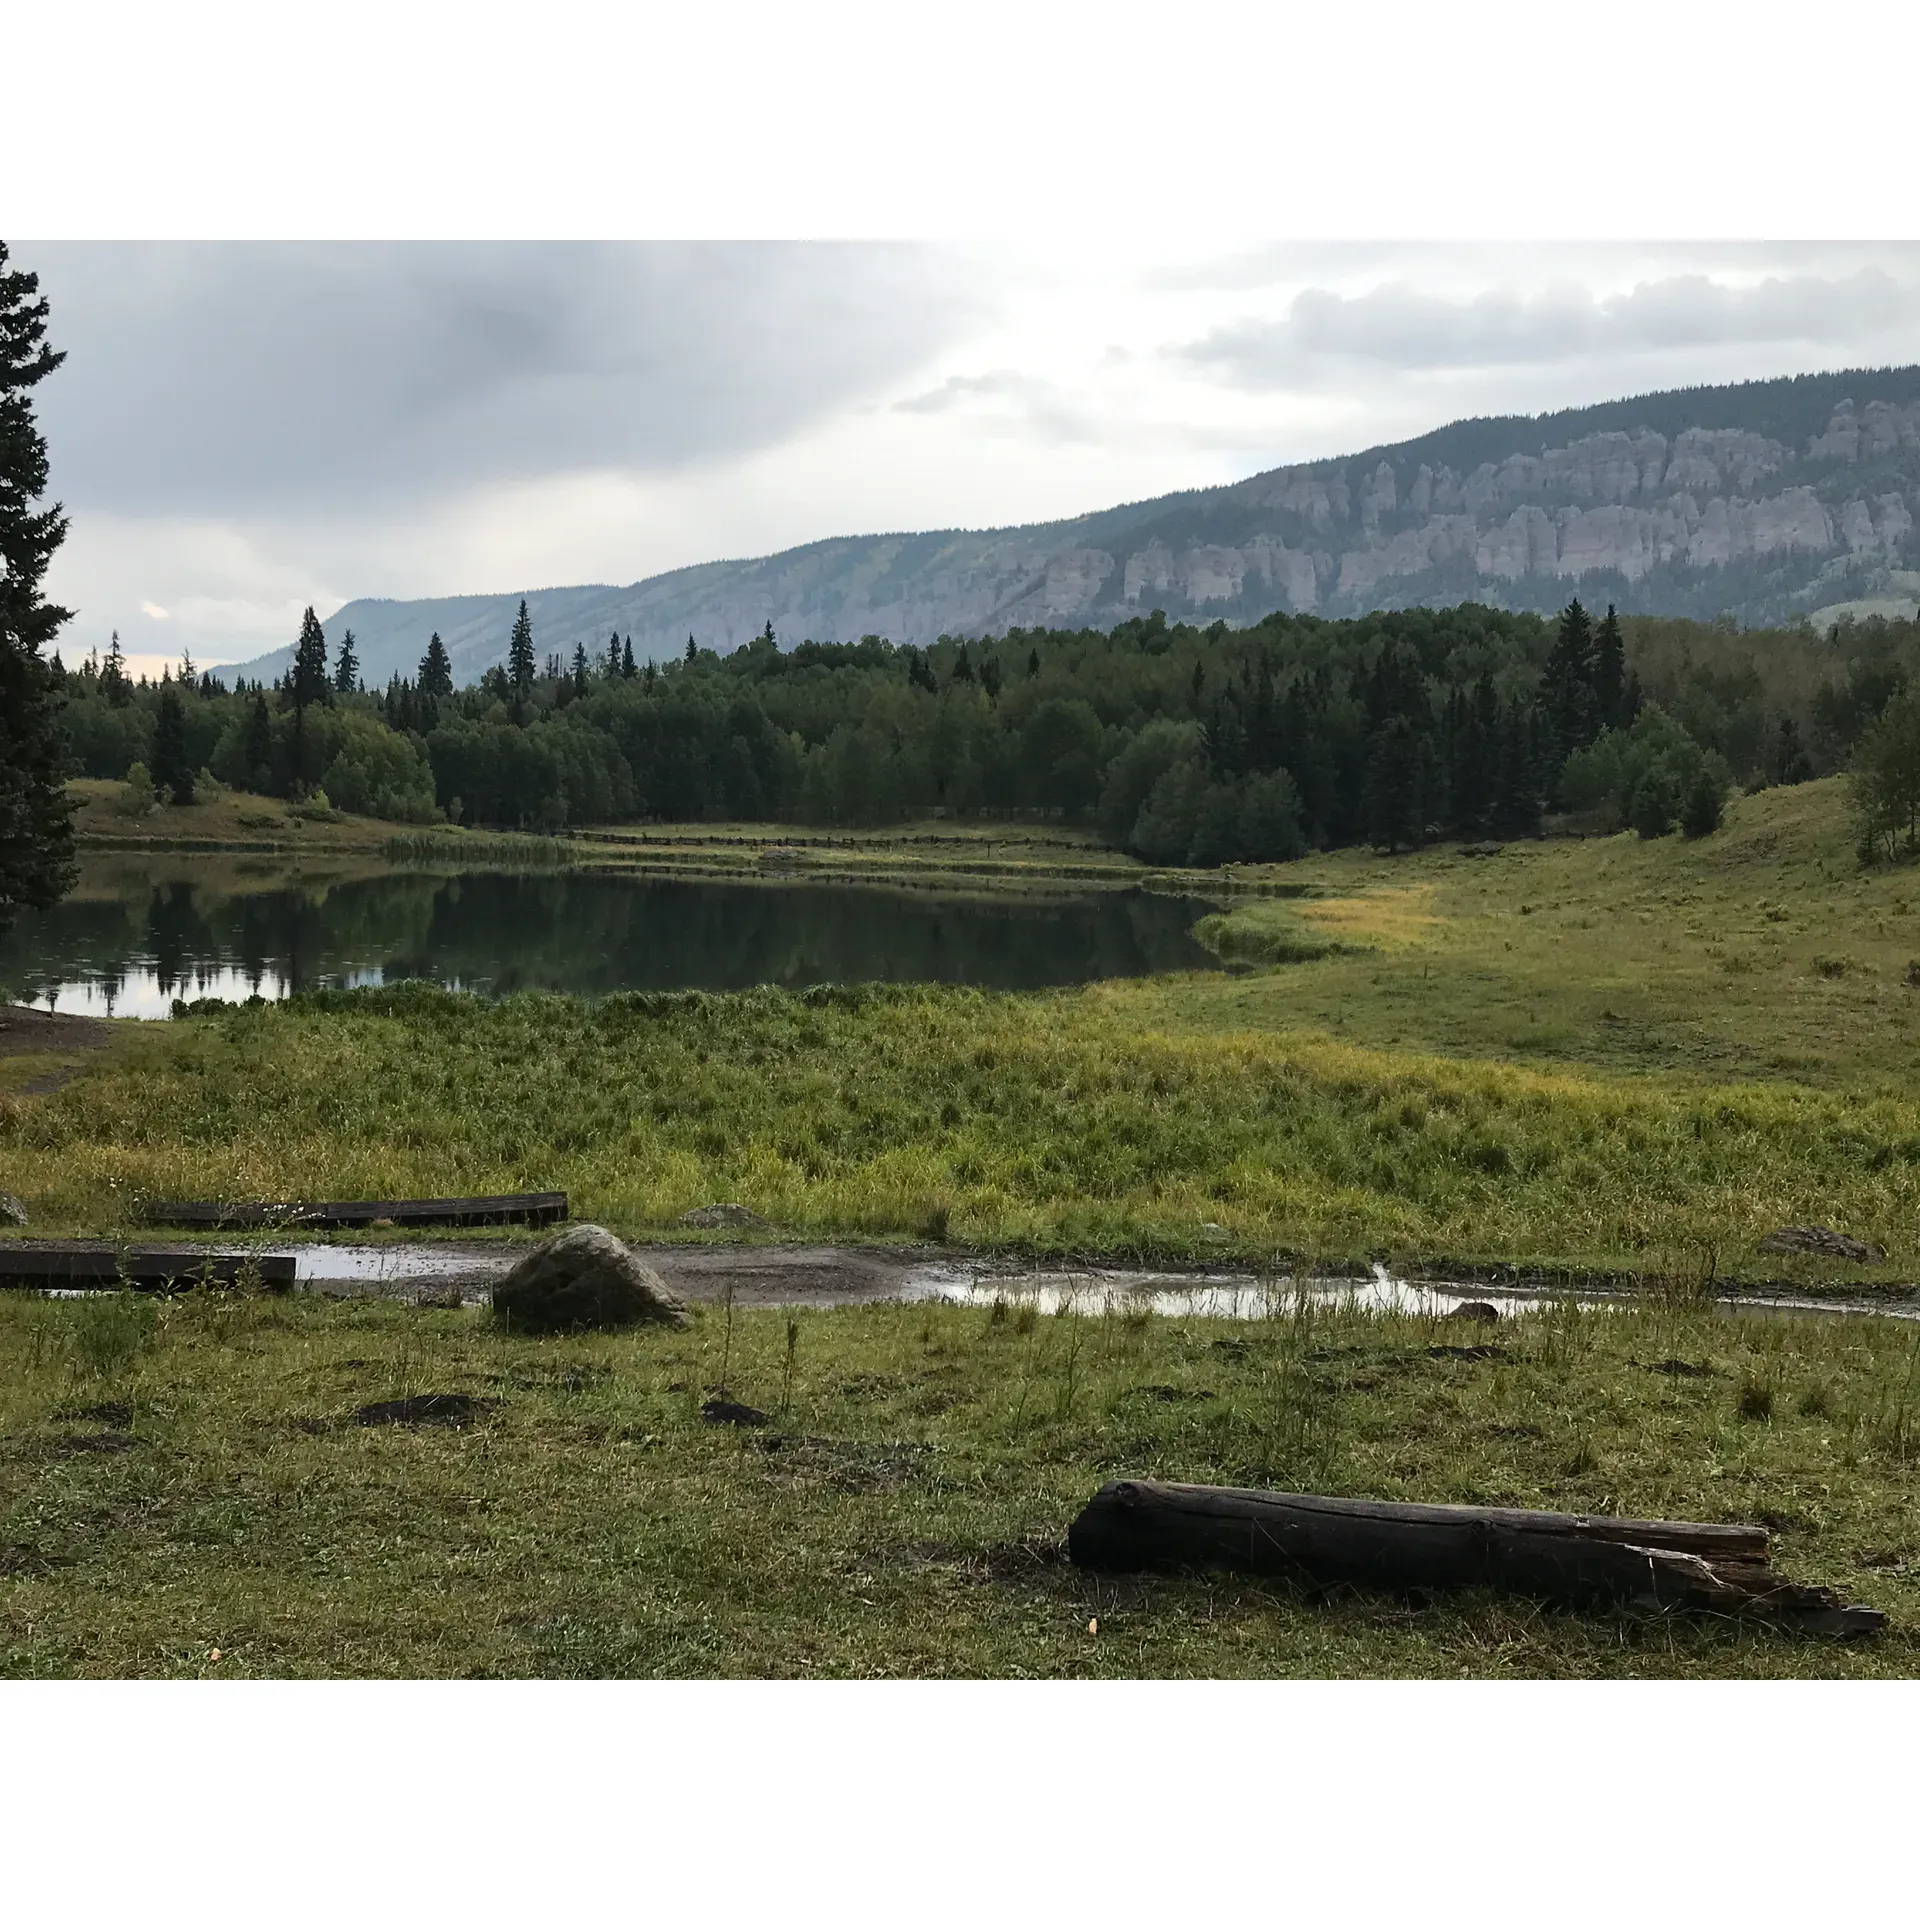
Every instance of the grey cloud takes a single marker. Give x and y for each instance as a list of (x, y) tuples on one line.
[(1298, 262), (234, 379), (1400, 329)]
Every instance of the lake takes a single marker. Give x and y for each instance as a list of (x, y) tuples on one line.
[(131, 941)]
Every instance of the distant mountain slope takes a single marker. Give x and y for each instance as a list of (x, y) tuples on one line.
[(1764, 501)]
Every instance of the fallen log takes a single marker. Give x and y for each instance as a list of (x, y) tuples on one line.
[(475, 1210), (99, 1264), (1133, 1526)]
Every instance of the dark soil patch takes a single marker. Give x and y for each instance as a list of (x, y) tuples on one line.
[(95, 1443), (24, 1031), (20, 1561), (1468, 1353), (108, 1413), (1680, 1369), (854, 1466), (424, 1410), (1170, 1395), (719, 1412)]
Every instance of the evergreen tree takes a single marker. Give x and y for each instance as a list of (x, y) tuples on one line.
[(346, 670), (1609, 672), (990, 678), (580, 667), (962, 666), (189, 675), (37, 863), (1033, 663), (693, 652), (436, 670), (1394, 804), (257, 750), (613, 656), (309, 684), (113, 674), (627, 668), (521, 666), (1790, 763), (1567, 684), (172, 775)]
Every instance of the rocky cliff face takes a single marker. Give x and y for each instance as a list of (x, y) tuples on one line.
[(1764, 501)]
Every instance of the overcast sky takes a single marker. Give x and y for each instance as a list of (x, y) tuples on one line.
[(243, 429)]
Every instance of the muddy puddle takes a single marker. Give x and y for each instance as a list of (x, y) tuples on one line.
[(449, 1272)]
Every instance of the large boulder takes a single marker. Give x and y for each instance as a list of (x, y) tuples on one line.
[(584, 1279)]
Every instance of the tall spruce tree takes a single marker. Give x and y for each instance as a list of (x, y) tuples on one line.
[(580, 667), (309, 683), (346, 670), (1567, 684), (627, 668), (307, 686), (172, 775), (1609, 671), (436, 670), (520, 661), (612, 668), (37, 863)]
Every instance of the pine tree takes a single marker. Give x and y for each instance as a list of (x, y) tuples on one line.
[(1609, 671), (613, 656), (1033, 663), (188, 676), (113, 674), (520, 660), (37, 863), (627, 668), (257, 751), (693, 652), (962, 666), (309, 683), (1567, 683), (346, 671), (580, 668), (172, 775), (436, 670)]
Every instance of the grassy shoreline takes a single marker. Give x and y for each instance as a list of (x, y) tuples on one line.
[(190, 1475)]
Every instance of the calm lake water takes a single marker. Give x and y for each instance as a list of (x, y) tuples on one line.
[(132, 942)]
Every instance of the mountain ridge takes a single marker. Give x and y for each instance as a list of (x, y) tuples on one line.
[(1764, 500)]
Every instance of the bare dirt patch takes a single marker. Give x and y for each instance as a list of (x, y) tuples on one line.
[(25, 1031)]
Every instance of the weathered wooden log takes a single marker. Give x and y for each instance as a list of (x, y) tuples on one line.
[(1132, 1526), (99, 1264), (476, 1210)]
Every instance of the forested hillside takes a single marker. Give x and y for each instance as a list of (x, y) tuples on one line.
[(1185, 745), (1767, 501)]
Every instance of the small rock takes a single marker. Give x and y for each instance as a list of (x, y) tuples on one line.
[(584, 1278), (1473, 1310), (1842, 1246), (725, 1215), (13, 1212), (730, 1413)]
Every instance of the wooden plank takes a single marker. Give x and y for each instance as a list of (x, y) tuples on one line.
[(1133, 1526), (98, 1263), (476, 1210)]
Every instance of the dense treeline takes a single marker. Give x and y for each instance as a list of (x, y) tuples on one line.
[(1186, 745)]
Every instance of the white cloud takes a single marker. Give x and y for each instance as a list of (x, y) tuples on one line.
[(1400, 327)]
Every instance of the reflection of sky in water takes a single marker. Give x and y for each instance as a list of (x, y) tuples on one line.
[(1100, 1292), (145, 993)]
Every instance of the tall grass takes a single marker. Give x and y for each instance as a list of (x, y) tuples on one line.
[(1046, 1122)]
